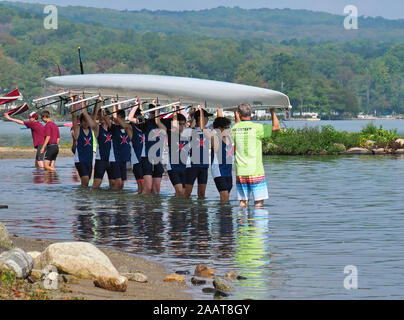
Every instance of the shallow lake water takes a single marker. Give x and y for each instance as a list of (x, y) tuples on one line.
[(324, 213), (12, 134)]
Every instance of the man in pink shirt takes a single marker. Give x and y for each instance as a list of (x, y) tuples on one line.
[(38, 134), (51, 144)]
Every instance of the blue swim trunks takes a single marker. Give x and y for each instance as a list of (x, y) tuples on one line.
[(252, 186)]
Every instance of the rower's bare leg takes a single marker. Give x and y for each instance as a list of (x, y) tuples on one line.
[(224, 196), (201, 191), (156, 184), (48, 165), (85, 181), (179, 191), (140, 186), (97, 183), (188, 190), (147, 185), (39, 164)]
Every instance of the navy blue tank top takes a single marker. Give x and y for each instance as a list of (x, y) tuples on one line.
[(121, 145), (104, 144), (84, 147)]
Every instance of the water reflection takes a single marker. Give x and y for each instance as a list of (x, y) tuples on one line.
[(323, 214), (41, 176)]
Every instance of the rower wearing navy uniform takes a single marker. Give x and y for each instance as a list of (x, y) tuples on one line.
[(104, 144), (198, 164), (177, 150), (121, 148), (138, 145), (82, 133), (222, 157)]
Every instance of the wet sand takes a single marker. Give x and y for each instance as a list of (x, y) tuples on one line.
[(154, 289), (28, 153)]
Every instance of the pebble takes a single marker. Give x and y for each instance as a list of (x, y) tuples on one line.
[(197, 282), (51, 281), (203, 271), (222, 285), (175, 278), (136, 277), (183, 272), (209, 290)]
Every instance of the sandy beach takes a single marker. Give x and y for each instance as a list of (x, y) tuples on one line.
[(28, 153), (154, 289)]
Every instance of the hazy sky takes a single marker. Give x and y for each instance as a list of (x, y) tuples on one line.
[(392, 9)]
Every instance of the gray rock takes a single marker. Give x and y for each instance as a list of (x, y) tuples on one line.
[(208, 290), (47, 270), (400, 142), (80, 259), (222, 285), (357, 151), (5, 240), (197, 282), (51, 281), (399, 151), (379, 151), (18, 261), (136, 277)]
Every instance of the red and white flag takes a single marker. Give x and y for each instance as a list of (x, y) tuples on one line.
[(10, 97), (18, 110)]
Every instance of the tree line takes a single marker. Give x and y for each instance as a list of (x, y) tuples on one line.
[(336, 79)]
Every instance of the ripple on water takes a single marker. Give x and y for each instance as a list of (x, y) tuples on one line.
[(324, 213)]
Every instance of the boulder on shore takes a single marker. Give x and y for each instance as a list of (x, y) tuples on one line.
[(80, 259), (17, 261), (5, 240), (357, 151), (379, 151), (400, 142), (222, 285), (117, 283)]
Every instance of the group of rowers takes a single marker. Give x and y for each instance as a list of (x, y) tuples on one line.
[(113, 139)]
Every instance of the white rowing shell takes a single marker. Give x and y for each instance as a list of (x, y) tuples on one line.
[(218, 93)]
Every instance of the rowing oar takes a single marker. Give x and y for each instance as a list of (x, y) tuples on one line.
[(161, 107), (61, 99), (85, 107), (130, 107), (164, 114)]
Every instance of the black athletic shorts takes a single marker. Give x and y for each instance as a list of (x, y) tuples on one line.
[(138, 171), (100, 167), (149, 169), (84, 168), (177, 177), (39, 156), (224, 183), (51, 152), (193, 173), (118, 170)]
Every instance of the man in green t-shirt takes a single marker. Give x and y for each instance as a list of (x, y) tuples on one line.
[(248, 136)]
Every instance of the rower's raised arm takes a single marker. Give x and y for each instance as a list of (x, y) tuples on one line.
[(275, 122)]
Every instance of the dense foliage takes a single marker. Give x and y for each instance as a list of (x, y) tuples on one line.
[(327, 140), (335, 79)]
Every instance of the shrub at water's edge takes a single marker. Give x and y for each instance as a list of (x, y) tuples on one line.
[(327, 140)]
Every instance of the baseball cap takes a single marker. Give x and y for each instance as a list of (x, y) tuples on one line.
[(33, 115)]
